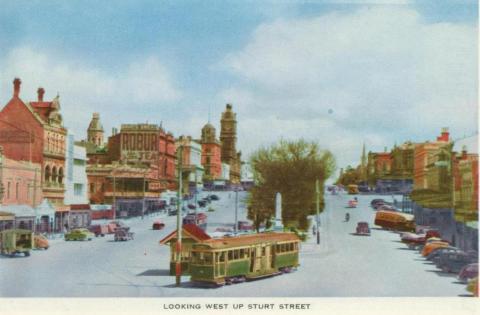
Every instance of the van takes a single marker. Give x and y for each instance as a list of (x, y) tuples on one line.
[(395, 220)]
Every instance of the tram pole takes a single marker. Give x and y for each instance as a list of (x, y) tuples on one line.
[(178, 261), (317, 189)]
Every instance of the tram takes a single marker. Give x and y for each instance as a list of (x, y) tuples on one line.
[(236, 259)]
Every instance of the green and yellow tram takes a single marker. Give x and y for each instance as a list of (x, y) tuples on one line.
[(236, 259)]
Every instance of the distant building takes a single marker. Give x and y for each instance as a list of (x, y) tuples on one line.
[(228, 138), (192, 169), (211, 154), (247, 176)]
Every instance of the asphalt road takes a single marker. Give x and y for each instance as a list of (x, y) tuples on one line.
[(343, 265)]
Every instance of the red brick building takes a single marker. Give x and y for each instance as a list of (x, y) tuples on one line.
[(34, 132), (22, 183)]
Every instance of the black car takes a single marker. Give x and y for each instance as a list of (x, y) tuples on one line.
[(375, 203), (172, 211), (202, 203), (214, 197), (438, 252)]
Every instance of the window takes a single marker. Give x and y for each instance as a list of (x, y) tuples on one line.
[(77, 189), (92, 188), (9, 186), (230, 255), (16, 190)]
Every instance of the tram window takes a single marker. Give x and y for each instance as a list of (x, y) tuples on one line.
[(237, 254), (208, 258), (221, 257), (263, 251), (230, 255), (242, 253)]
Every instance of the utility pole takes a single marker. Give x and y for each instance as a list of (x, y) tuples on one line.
[(317, 189), (236, 211), (143, 199), (114, 203), (178, 260)]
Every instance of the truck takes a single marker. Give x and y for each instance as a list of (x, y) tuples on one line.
[(16, 241)]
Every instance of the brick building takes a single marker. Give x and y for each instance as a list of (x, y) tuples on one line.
[(34, 132)]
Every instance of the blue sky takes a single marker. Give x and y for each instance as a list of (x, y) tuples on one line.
[(171, 61)]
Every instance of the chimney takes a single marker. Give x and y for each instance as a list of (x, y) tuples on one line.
[(445, 135), (40, 93), (464, 152), (16, 87)]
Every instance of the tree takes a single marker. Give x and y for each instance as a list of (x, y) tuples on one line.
[(291, 168), (349, 176)]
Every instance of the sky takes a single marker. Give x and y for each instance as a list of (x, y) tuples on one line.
[(341, 73)]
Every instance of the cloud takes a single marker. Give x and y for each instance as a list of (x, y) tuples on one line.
[(128, 93), (375, 74)]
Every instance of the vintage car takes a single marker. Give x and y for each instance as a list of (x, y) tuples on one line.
[(79, 235), (438, 252), (413, 240), (114, 225), (431, 246), (214, 197), (202, 203), (101, 229), (454, 262), (122, 234), (468, 272), (393, 220), (158, 225), (377, 202), (472, 286), (352, 203), (16, 241), (199, 219), (362, 229), (40, 242)]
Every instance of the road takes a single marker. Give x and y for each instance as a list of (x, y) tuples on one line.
[(343, 265)]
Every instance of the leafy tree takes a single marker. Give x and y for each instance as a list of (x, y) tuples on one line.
[(349, 176), (291, 168)]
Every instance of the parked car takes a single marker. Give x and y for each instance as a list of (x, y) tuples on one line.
[(79, 235), (472, 286), (100, 229), (122, 234), (414, 240), (375, 202), (468, 272), (16, 241), (393, 220), (40, 242), (191, 206), (362, 229), (202, 203), (214, 197), (158, 225), (430, 246), (386, 208), (436, 253), (454, 262)]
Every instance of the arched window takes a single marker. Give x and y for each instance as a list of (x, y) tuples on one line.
[(47, 173), (54, 174), (60, 175)]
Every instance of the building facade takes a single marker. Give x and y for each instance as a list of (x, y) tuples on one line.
[(34, 132), (192, 168), (211, 154)]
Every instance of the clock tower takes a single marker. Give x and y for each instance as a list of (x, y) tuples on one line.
[(228, 135)]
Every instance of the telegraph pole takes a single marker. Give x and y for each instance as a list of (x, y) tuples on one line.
[(236, 211), (317, 189), (178, 260)]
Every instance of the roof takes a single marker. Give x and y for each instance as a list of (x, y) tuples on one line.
[(191, 230), (41, 104), (251, 239)]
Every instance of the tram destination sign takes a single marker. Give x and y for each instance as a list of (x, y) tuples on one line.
[(15, 136)]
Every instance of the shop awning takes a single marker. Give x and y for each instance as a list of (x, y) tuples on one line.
[(6, 216), (19, 210)]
